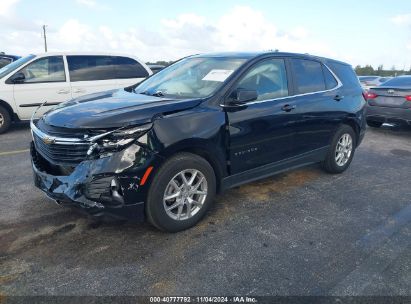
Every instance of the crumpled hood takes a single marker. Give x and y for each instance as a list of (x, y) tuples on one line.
[(111, 109)]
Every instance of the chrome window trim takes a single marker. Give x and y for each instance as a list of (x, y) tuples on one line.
[(339, 85), (57, 140)]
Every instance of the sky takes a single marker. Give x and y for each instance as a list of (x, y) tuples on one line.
[(358, 32)]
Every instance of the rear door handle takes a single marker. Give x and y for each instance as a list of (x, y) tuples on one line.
[(288, 108), (63, 91), (338, 97)]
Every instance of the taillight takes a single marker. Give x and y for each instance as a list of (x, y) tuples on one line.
[(370, 95), (408, 98)]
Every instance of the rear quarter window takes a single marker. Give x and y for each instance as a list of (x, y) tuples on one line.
[(330, 81), (346, 74)]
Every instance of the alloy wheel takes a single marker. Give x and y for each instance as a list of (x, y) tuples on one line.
[(185, 194), (343, 150)]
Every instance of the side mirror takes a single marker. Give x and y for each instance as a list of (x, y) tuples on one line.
[(17, 78), (241, 96)]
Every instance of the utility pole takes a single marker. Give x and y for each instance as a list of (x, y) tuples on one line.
[(45, 38)]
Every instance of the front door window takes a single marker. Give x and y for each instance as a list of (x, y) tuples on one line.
[(49, 69)]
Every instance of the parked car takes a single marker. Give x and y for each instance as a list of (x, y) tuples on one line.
[(7, 59), (163, 148), (156, 67), (57, 77), (368, 82), (390, 102)]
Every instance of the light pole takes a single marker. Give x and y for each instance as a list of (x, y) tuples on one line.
[(45, 38)]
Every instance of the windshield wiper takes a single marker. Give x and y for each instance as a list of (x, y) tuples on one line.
[(156, 94)]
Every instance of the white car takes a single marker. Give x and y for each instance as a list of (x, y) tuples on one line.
[(57, 77)]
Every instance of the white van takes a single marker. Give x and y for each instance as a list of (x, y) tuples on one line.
[(57, 77)]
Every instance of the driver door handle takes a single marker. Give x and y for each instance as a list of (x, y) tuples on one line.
[(338, 98), (288, 108)]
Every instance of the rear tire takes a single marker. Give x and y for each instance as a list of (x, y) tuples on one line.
[(186, 182), (5, 119), (374, 124), (342, 150)]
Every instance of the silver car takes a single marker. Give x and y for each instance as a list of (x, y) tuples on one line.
[(390, 102), (368, 82)]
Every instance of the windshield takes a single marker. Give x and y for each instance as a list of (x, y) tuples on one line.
[(14, 65), (191, 77), (399, 81)]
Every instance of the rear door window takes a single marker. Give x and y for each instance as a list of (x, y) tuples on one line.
[(308, 76), (89, 68), (129, 68)]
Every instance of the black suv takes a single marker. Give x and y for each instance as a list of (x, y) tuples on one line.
[(163, 148), (7, 59)]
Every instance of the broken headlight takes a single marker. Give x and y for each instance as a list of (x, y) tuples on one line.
[(118, 139)]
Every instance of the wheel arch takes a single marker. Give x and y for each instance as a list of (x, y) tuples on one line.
[(8, 107), (203, 148), (355, 126)]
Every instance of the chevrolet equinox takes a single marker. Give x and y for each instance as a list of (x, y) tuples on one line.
[(163, 148)]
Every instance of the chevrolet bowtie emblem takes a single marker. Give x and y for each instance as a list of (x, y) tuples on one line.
[(48, 140)]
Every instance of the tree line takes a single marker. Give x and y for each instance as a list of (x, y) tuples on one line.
[(380, 71)]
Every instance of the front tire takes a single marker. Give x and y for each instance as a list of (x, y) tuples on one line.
[(342, 150), (5, 119), (181, 193)]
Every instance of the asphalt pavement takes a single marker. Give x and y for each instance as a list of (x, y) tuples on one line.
[(304, 232)]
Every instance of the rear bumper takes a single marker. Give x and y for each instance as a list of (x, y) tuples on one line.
[(107, 186), (387, 114)]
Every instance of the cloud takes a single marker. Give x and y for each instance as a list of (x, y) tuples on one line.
[(240, 29), (9, 19), (6, 6), (88, 3), (403, 19), (92, 4)]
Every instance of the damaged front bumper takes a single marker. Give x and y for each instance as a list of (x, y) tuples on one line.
[(103, 186)]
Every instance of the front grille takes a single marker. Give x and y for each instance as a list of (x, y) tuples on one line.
[(67, 154)]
